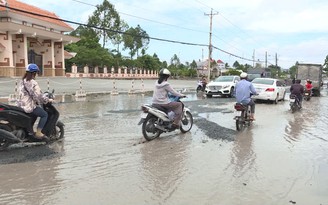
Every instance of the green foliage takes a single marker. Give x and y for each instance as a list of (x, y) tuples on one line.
[(292, 71), (325, 64), (135, 39), (106, 18), (88, 49), (232, 72)]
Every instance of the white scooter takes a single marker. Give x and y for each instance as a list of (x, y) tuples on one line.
[(156, 120)]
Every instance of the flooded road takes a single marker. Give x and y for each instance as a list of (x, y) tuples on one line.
[(281, 159)]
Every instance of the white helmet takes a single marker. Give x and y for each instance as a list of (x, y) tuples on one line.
[(243, 75), (164, 71)]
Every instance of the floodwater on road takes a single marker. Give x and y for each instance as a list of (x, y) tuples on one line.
[(281, 159)]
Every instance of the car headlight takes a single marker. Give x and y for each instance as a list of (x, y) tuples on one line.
[(225, 86)]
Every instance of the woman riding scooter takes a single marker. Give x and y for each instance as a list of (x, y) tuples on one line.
[(30, 98)]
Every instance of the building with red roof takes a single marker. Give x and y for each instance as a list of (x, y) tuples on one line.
[(27, 35)]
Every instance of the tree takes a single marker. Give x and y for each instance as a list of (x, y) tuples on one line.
[(135, 39), (106, 18), (118, 39), (88, 49), (193, 65), (175, 60), (236, 64), (325, 64)]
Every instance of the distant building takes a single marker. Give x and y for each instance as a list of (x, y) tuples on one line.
[(258, 73), (26, 38)]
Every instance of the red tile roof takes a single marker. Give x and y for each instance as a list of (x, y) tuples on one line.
[(26, 7), (219, 61)]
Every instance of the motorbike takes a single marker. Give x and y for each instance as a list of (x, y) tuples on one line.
[(242, 118), (156, 120), (200, 86), (307, 95), (294, 103), (16, 126)]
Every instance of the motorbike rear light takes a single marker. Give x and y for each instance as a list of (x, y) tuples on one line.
[(1, 108), (239, 107), (270, 90)]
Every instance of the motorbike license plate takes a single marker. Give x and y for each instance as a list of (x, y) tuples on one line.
[(291, 100), (237, 113)]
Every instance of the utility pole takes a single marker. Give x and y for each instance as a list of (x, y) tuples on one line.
[(210, 45), (266, 60), (253, 58)]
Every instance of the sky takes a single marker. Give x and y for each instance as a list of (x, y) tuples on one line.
[(273, 31)]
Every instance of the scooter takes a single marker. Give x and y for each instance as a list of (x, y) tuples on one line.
[(200, 86), (16, 126), (242, 118), (294, 103), (156, 120), (307, 95)]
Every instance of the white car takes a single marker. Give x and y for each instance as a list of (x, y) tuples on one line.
[(223, 85), (269, 89)]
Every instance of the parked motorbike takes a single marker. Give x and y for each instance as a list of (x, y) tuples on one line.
[(156, 120), (307, 95), (16, 126), (200, 86), (242, 118), (294, 103)]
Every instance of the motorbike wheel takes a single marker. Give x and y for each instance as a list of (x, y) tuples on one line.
[(6, 139), (240, 122), (58, 132), (186, 122), (149, 130), (293, 107), (240, 125)]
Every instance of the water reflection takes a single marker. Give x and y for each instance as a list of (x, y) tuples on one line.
[(301, 122), (163, 161), (243, 156), (34, 180)]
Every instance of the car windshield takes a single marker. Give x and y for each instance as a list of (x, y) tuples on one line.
[(263, 81), (224, 79)]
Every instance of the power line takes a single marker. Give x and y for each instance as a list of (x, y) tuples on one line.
[(96, 27), (120, 32)]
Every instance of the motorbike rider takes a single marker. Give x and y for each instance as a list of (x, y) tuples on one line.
[(161, 97), (202, 82), (30, 98), (298, 90), (308, 86), (243, 92)]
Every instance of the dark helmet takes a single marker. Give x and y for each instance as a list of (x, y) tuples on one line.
[(32, 68), (164, 72), (298, 81)]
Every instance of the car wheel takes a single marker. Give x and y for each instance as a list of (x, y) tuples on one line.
[(276, 100), (231, 92), (283, 98)]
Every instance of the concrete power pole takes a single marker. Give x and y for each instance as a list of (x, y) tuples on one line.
[(210, 45), (266, 60)]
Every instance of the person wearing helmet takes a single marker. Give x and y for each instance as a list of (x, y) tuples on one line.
[(298, 90), (243, 92), (30, 98), (161, 97)]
